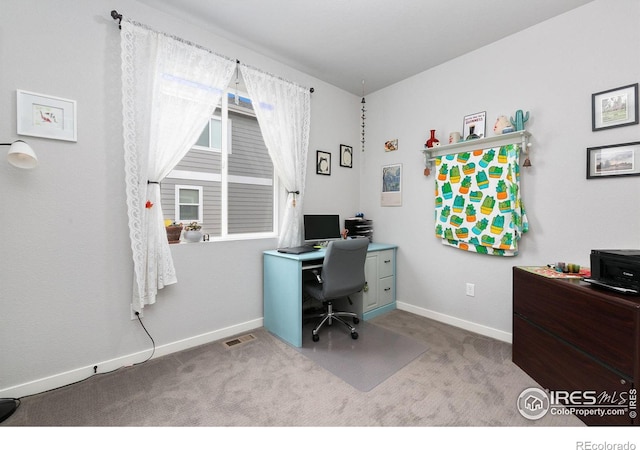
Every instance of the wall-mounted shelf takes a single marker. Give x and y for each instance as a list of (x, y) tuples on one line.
[(516, 137)]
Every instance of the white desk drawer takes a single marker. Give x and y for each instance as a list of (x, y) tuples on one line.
[(385, 263), (385, 290)]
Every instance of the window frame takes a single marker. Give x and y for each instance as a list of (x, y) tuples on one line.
[(178, 204)]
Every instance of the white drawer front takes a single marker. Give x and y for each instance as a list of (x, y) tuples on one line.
[(385, 290), (385, 263)]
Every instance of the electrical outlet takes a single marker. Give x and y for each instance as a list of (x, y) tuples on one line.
[(133, 314), (471, 289)]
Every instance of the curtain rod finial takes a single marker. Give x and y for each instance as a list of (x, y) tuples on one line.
[(116, 16)]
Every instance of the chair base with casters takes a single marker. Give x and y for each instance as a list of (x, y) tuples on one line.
[(332, 315)]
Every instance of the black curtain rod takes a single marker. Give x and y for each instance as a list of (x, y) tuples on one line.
[(118, 17)]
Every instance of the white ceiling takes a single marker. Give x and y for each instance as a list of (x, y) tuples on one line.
[(344, 42)]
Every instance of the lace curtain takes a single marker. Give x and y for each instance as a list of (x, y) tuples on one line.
[(170, 88), (283, 111)]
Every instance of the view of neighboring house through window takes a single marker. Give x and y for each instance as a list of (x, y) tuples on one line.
[(226, 181)]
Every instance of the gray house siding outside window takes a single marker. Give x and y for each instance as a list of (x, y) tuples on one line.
[(249, 178)]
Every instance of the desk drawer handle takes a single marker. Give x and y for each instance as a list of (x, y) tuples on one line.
[(387, 289), (387, 261)]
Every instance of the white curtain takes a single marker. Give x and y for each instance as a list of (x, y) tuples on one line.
[(170, 88), (284, 113)]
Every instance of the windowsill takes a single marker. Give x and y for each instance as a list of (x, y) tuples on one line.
[(244, 237)]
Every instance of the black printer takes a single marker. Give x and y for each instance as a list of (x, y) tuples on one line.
[(618, 270)]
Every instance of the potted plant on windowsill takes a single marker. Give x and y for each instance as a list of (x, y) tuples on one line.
[(174, 230), (192, 232)]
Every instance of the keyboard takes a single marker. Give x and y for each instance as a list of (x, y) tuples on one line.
[(298, 250)]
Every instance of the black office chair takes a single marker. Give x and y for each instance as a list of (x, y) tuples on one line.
[(342, 275)]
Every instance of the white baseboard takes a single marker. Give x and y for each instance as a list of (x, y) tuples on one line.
[(73, 376), (456, 322)]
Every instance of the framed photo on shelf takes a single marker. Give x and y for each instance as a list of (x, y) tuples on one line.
[(346, 156), (323, 163), (613, 160), (46, 116), (391, 194), (614, 108), (474, 126)]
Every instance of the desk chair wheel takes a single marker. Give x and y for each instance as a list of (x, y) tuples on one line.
[(356, 321), (354, 335)]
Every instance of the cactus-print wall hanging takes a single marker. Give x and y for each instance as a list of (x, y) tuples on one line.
[(478, 206)]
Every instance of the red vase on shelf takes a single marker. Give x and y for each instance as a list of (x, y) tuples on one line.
[(432, 141)]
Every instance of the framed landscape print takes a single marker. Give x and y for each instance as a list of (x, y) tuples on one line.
[(613, 160), (614, 108)]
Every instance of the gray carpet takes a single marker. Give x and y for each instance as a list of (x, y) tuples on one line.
[(463, 379), (364, 362)]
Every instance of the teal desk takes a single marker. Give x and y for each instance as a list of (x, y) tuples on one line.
[(282, 284)]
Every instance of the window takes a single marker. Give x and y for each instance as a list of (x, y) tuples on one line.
[(231, 192), (188, 203)]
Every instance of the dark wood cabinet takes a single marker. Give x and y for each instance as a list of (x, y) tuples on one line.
[(571, 336)]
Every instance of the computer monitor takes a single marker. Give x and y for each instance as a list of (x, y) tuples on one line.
[(321, 227)]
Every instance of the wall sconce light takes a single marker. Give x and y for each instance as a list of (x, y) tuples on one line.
[(21, 155)]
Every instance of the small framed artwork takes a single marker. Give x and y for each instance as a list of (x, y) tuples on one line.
[(614, 108), (323, 163), (391, 194), (46, 116), (613, 160), (346, 156), (474, 126), (391, 146)]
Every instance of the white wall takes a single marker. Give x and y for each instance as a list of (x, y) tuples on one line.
[(65, 267), (550, 70)]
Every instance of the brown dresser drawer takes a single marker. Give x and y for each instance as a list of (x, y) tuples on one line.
[(581, 315), (558, 366)]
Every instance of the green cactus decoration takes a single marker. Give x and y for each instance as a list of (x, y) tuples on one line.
[(447, 192), (444, 214), (470, 210), (458, 203), (448, 234), (520, 120)]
